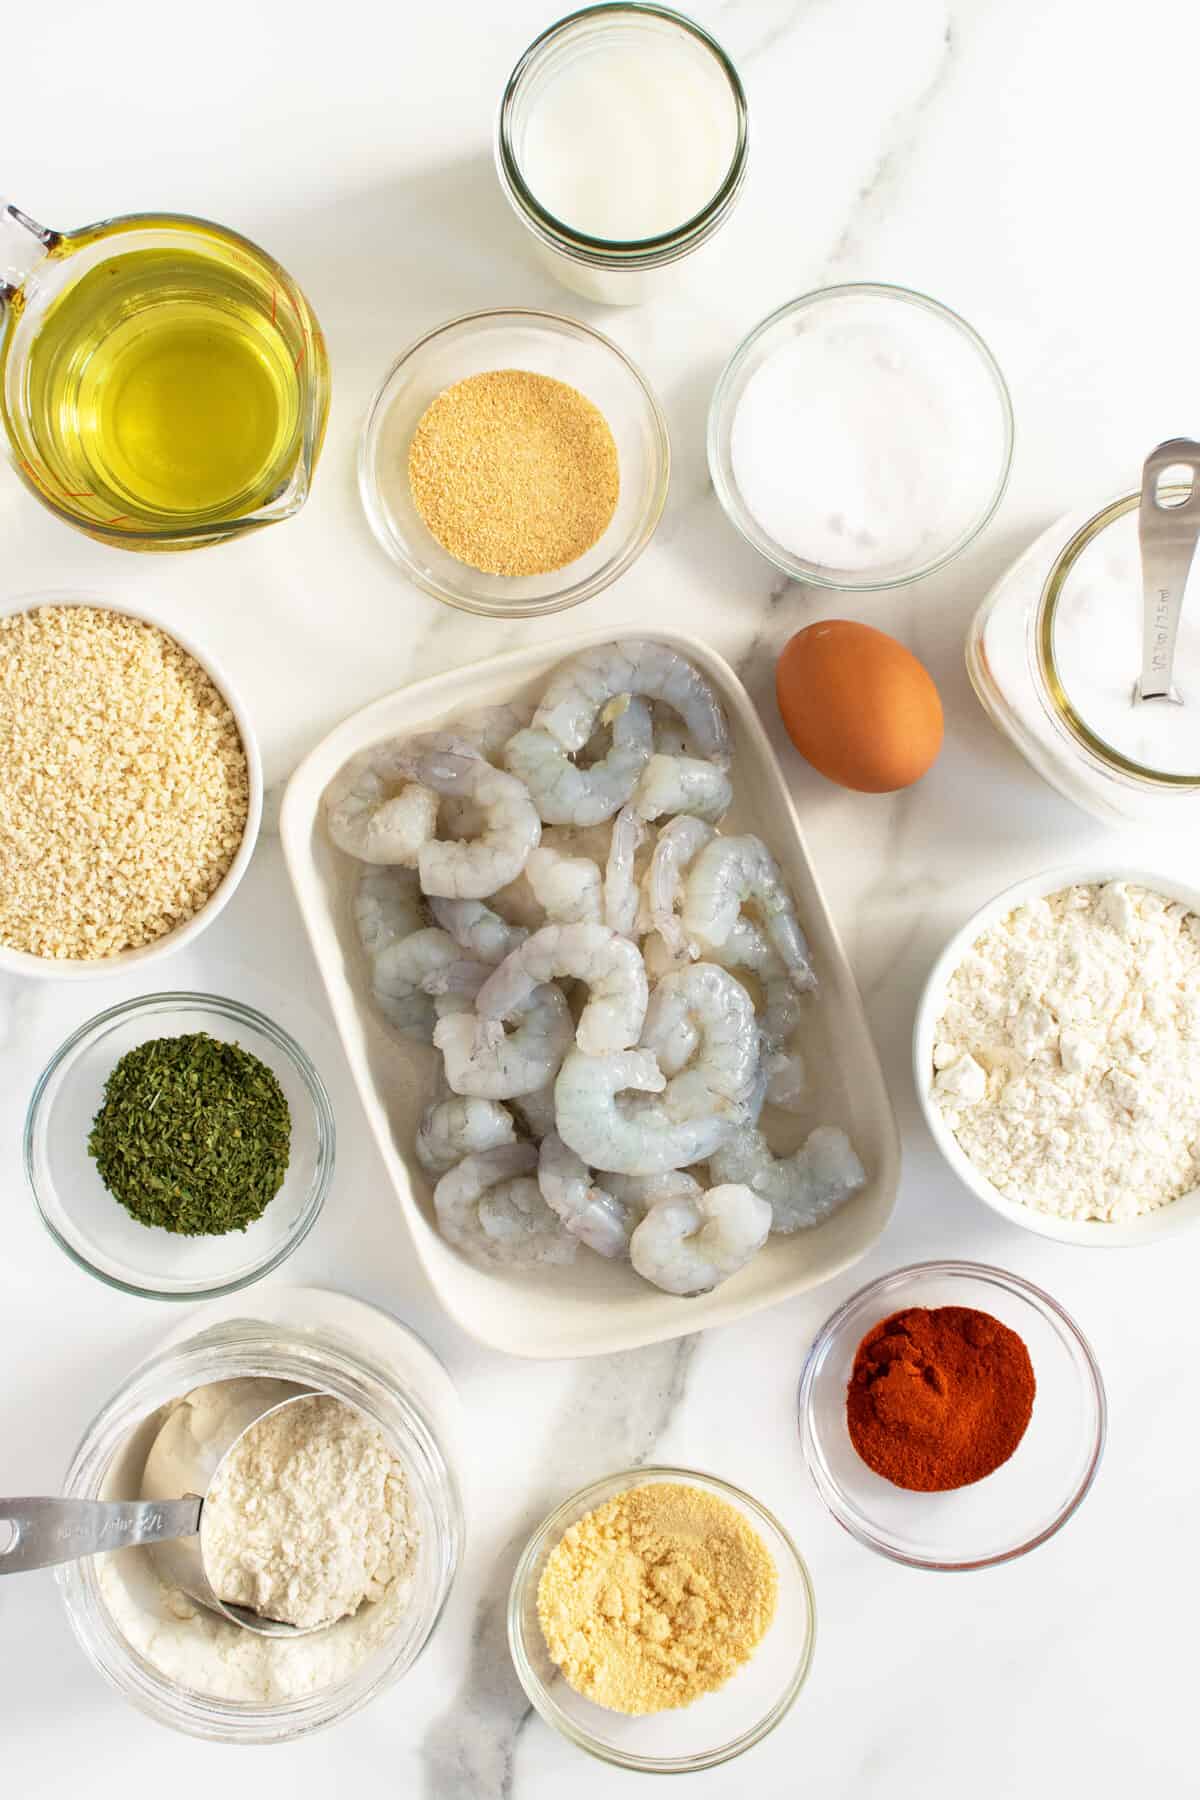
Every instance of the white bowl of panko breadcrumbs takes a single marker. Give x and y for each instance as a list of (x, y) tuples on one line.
[(130, 787)]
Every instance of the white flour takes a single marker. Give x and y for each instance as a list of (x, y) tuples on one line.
[(1067, 1058), (298, 1528)]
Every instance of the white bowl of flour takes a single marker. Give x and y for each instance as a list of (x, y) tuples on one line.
[(1056, 1053)]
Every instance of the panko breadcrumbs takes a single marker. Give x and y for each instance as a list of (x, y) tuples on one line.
[(656, 1597), (513, 472), (124, 787)]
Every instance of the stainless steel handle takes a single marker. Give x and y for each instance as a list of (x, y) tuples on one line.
[(37, 1533), (1167, 531)]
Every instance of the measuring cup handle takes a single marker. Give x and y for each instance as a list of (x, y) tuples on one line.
[(23, 243), (37, 1533)]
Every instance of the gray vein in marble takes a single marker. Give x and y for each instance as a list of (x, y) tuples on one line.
[(779, 17), (616, 1410), (897, 151)]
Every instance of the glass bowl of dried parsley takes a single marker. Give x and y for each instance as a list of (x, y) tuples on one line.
[(179, 1146)]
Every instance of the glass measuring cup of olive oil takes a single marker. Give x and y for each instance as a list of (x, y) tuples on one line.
[(163, 381)]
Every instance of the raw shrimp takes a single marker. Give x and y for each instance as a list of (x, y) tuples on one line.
[(536, 1110), (677, 843), (474, 868), (456, 1127), (566, 793), (387, 906), (375, 811), (802, 1189), (683, 785), (488, 728), (640, 1192), (477, 928), (787, 1079), (491, 1209), (701, 1026), (621, 891), (568, 888), (690, 1244), (632, 1136), (405, 974), (722, 876), (588, 1211), (607, 963), (578, 691), (484, 1061)]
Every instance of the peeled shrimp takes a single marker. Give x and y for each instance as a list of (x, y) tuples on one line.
[(407, 972), (721, 878), (631, 1135), (565, 792), (484, 1061), (621, 891), (460, 1126), (700, 1024), (477, 928), (683, 785), (691, 1244), (787, 1079), (536, 1110), (387, 906), (588, 1211), (610, 966), (488, 728), (568, 888), (802, 1189), (676, 845), (578, 691), (490, 1208), (375, 812), (472, 869)]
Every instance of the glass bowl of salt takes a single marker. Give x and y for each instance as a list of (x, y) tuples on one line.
[(861, 436)]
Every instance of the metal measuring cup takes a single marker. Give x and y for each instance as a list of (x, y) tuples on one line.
[(46, 1531)]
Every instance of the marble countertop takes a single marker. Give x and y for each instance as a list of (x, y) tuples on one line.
[(1000, 157)]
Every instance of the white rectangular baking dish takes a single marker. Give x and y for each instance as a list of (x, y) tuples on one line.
[(593, 1306)]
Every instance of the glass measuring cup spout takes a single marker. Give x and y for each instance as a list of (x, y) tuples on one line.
[(163, 380)]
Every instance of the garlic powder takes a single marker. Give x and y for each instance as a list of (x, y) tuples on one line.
[(1067, 1057)]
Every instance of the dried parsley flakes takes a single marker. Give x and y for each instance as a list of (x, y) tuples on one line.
[(194, 1135)]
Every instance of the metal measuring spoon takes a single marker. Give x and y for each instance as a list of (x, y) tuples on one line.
[(1168, 526), (46, 1531)]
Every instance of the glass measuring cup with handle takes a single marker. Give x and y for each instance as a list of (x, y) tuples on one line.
[(163, 381)]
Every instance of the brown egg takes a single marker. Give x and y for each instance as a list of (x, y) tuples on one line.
[(859, 706)]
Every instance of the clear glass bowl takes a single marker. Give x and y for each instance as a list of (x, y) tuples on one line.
[(981, 462), (94, 1229), (714, 1728), (337, 1346), (549, 345), (1023, 1502)]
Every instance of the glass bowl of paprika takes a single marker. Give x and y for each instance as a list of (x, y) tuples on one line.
[(179, 1145), (952, 1416)]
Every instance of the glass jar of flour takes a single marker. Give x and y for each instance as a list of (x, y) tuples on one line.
[(1054, 654), (621, 146), (185, 1666)]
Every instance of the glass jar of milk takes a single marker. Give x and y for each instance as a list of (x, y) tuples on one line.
[(1054, 654), (621, 145)]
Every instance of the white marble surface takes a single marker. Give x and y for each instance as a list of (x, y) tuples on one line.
[(1000, 156)]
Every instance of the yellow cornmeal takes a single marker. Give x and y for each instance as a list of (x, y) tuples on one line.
[(514, 473), (656, 1597)]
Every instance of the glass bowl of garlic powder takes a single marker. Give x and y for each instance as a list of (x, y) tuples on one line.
[(191, 1669), (703, 1649)]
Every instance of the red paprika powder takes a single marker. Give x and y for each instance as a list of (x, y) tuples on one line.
[(939, 1397)]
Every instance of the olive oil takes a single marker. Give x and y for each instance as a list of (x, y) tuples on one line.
[(166, 388)]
